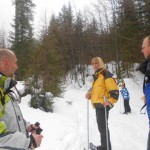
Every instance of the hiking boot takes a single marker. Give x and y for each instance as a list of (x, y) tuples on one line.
[(125, 113), (100, 148)]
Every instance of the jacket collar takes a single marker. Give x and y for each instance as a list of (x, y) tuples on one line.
[(6, 83), (97, 72), (143, 67)]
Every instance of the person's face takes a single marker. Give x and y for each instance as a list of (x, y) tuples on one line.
[(10, 65), (122, 86), (96, 65), (146, 48)]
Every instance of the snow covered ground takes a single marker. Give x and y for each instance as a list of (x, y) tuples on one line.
[(65, 129)]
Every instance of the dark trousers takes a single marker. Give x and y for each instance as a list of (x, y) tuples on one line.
[(126, 106), (148, 142), (100, 115)]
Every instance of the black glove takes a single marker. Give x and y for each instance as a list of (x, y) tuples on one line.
[(38, 129)]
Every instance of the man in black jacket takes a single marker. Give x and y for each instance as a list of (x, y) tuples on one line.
[(145, 69)]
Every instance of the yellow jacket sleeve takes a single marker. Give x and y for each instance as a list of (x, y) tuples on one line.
[(113, 91)]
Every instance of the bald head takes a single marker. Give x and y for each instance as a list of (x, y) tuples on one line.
[(8, 62), (147, 38), (5, 53)]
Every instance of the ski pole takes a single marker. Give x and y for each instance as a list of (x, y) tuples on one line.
[(88, 125), (120, 104), (105, 100)]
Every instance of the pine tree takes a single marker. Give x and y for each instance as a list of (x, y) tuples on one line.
[(66, 30), (22, 36), (48, 68), (128, 35), (143, 10)]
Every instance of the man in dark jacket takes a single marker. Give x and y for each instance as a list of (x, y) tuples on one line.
[(13, 128), (145, 69)]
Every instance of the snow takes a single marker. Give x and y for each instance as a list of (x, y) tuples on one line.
[(66, 127)]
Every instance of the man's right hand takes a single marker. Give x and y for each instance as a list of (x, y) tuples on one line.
[(143, 99), (37, 139), (32, 128)]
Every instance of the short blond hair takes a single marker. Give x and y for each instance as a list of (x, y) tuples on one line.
[(100, 61)]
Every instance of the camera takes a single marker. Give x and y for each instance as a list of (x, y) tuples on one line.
[(38, 130)]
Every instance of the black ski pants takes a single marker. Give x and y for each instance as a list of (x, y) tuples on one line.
[(100, 115), (148, 142), (126, 106)]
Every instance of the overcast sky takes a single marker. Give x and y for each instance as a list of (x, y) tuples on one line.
[(7, 11)]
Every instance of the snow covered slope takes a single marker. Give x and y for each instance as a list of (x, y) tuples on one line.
[(65, 129)]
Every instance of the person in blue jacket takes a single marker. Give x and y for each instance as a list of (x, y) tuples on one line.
[(126, 97), (145, 69)]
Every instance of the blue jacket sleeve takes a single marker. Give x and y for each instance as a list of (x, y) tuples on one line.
[(147, 95)]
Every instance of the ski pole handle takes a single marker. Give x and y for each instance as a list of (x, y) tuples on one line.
[(105, 99)]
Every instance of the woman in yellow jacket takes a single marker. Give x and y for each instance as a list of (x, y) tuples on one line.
[(103, 86)]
